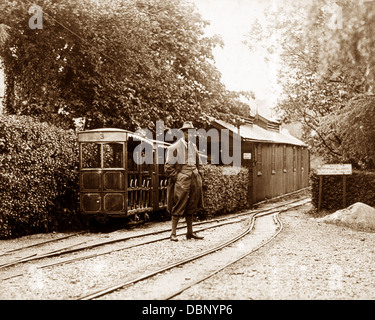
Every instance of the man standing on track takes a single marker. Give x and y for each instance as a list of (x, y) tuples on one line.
[(184, 193)]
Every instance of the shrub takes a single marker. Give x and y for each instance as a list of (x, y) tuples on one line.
[(38, 177), (360, 187), (224, 189)]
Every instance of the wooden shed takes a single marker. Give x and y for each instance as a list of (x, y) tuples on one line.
[(278, 163)]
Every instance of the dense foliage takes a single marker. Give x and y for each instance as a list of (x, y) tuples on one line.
[(38, 177), (117, 63), (224, 189), (346, 50), (346, 40), (326, 71), (350, 132), (360, 187)]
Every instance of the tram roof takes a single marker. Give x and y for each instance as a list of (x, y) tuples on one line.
[(114, 135)]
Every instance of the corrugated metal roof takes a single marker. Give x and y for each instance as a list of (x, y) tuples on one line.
[(258, 134)]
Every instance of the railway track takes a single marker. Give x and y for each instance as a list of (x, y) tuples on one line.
[(82, 246), (68, 249), (248, 252), (218, 266), (95, 255), (73, 281), (38, 244)]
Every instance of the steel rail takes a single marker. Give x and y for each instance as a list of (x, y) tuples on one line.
[(63, 251), (41, 243), (276, 220), (113, 288), (94, 255), (165, 268)]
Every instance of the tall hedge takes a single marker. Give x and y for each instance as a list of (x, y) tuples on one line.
[(39, 179), (360, 187), (224, 189), (38, 176)]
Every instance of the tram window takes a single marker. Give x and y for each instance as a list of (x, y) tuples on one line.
[(146, 166), (113, 155), (131, 164), (139, 157), (91, 155)]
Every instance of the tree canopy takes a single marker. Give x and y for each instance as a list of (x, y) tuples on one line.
[(119, 63), (326, 72)]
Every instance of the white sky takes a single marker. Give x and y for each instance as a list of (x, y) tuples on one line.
[(240, 68)]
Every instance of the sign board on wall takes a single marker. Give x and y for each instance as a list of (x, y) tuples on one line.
[(334, 169), (247, 155)]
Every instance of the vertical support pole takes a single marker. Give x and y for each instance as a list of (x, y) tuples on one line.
[(320, 192), (156, 177), (126, 167), (344, 190)]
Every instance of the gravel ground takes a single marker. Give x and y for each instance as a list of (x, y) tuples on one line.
[(171, 281), (308, 260), (70, 281)]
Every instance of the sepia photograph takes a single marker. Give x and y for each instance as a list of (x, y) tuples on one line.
[(187, 156)]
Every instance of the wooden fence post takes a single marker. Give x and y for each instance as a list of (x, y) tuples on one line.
[(344, 190), (320, 192)]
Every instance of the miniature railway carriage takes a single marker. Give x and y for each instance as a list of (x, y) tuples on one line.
[(113, 183)]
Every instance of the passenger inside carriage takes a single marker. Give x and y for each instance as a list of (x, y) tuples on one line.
[(113, 155)]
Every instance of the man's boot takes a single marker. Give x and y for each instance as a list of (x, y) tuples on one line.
[(190, 234), (174, 228)]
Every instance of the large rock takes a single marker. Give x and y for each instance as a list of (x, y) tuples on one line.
[(359, 216)]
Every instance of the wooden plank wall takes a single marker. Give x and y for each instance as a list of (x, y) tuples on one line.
[(278, 169), (275, 169)]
